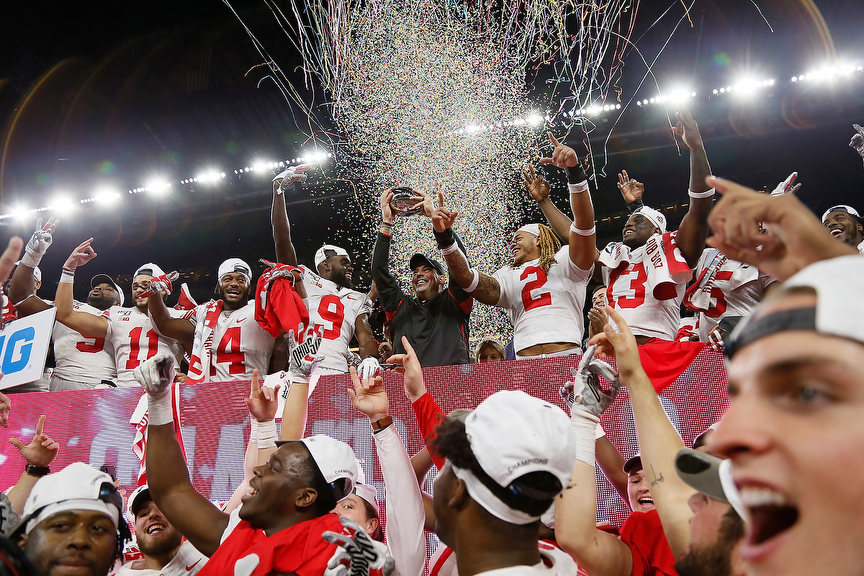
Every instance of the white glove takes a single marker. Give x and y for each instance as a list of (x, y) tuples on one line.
[(584, 392), (357, 554), (369, 368), (39, 242), (161, 283), (788, 186), (289, 176), (156, 375), (303, 355)]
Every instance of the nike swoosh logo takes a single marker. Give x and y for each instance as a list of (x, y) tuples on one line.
[(240, 320), (349, 297), (188, 568)]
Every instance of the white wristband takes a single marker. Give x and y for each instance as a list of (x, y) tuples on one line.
[(31, 259), (578, 188), (706, 194), (584, 425), (473, 285), (450, 249), (266, 434), (583, 232), (66, 278), (159, 408)]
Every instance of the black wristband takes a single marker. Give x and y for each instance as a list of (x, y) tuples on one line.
[(576, 174), (635, 205), (444, 239), (37, 471)]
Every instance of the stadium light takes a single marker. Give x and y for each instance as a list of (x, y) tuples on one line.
[(210, 176), (106, 196), (315, 156), (158, 187), (534, 119), (260, 166), (62, 203), (20, 212)]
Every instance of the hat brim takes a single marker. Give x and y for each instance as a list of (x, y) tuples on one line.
[(700, 471)]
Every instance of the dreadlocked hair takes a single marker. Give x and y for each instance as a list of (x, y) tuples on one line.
[(549, 246)]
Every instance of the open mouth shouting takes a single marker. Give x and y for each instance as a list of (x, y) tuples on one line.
[(770, 513)]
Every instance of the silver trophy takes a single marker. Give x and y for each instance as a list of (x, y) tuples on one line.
[(404, 203)]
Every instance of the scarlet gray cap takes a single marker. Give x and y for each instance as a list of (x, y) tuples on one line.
[(234, 265), (335, 459), (841, 208), (149, 269), (654, 216), (321, 254)]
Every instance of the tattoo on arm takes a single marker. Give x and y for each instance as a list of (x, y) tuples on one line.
[(655, 479)]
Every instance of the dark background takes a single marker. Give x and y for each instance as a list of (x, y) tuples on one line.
[(107, 92)]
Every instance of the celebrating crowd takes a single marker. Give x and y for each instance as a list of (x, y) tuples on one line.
[(762, 280)]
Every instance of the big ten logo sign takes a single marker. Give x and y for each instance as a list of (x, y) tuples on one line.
[(23, 347)]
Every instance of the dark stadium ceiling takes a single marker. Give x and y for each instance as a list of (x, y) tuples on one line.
[(114, 93)]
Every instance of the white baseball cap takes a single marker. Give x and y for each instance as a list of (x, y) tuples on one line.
[(134, 501), (78, 486), (336, 460), (513, 434), (321, 256), (709, 475), (368, 493), (838, 311), (149, 269), (841, 208), (234, 265), (654, 216), (105, 279)]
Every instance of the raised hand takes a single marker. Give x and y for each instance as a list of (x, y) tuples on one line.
[(82, 254), (562, 155), (369, 368), (304, 350), (161, 283), (357, 554), (631, 189), (368, 395), (156, 374), (687, 129), (857, 142), (584, 391), (40, 241), (386, 211), (787, 186), (411, 369), (537, 186), (41, 450), (443, 218), (424, 201), (289, 176), (262, 401), (618, 341), (10, 257)]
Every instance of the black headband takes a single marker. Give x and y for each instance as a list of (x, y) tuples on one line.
[(781, 321)]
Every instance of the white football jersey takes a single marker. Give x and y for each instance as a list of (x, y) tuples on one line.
[(646, 285), (544, 307), (239, 345), (80, 359), (724, 287), (334, 310), (187, 562), (135, 339)]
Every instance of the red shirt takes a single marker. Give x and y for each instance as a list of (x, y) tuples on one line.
[(643, 534), (299, 549)]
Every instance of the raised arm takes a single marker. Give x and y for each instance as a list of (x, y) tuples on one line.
[(538, 188), (582, 234), (693, 230), (177, 328), (38, 453), (22, 287), (193, 515), (389, 292), (365, 339), (659, 442), (86, 324), (285, 253)]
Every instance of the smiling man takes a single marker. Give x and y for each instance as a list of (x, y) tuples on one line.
[(795, 421), (225, 341), (844, 223), (163, 550)]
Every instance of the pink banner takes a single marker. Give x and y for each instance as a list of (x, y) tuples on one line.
[(93, 426)]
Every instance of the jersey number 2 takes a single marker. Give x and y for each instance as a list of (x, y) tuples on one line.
[(530, 302)]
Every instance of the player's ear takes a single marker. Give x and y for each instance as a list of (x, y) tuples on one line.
[(305, 497)]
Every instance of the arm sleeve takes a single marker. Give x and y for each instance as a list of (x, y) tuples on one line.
[(389, 292), (404, 504), (428, 415)]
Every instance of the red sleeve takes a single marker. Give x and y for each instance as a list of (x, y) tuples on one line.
[(642, 532), (428, 415)]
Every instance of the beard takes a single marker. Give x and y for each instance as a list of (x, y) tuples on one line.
[(235, 304), (163, 543), (716, 559), (340, 279), (102, 302)]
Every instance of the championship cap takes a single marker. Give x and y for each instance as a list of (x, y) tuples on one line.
[(653, 216), (105, 279), (418, 259), (634, 463), (136, 501), (77, 487), (837, 283), (149, 269), (234, 265), (321, 254), (368, 493), (841, 208), (512, 434), (531, 229), (709, 475), (336, 461)]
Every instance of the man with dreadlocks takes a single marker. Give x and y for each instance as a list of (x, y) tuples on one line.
[(543, 290)]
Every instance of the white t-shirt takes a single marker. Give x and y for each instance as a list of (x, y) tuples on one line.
[(544, 307), (135, 339), (646, 285), (187, 562), (239, 344), (81, 359), (334, 310)]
